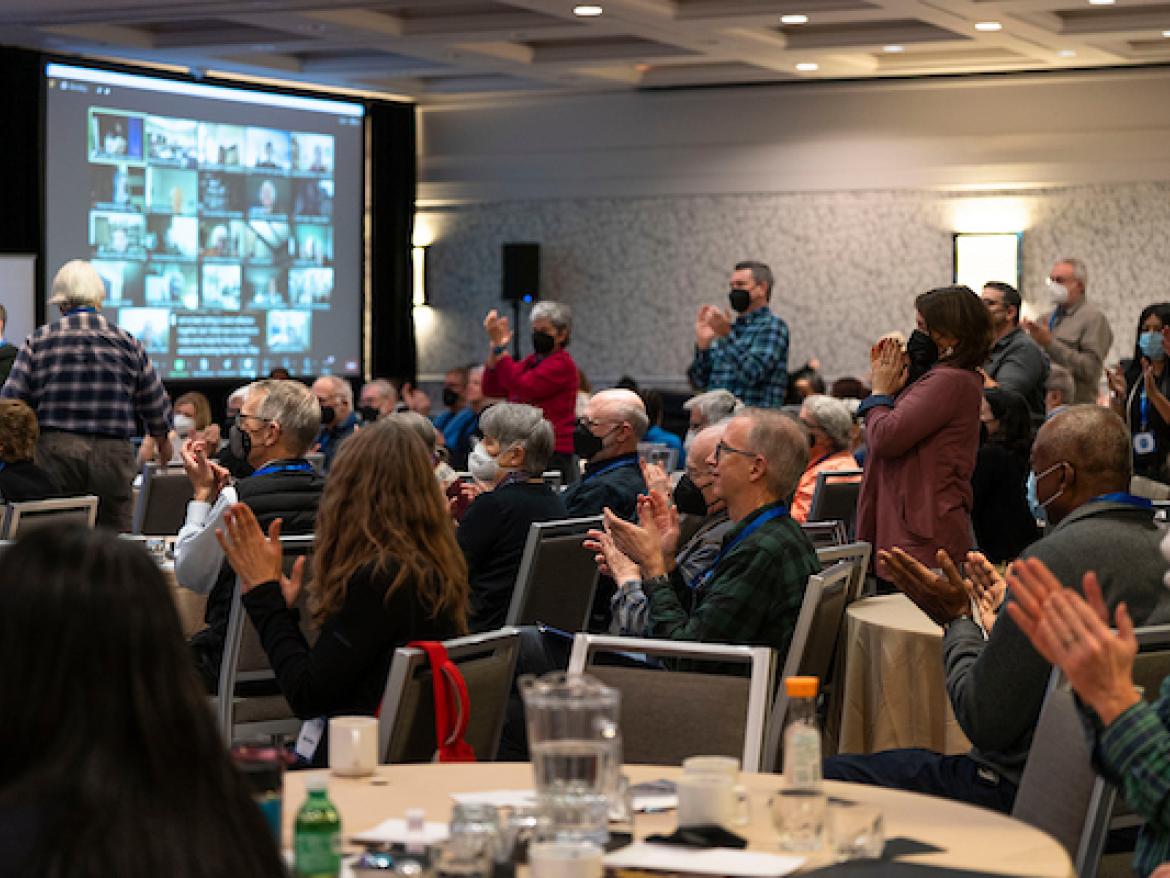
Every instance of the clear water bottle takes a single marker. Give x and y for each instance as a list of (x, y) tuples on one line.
[(317, 837), (798, 809)]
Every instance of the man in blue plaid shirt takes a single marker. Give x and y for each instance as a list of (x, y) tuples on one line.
[(91, 384), (748, 357)]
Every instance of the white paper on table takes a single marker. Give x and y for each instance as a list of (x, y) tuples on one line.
[(499, 798), (650, 804), (711, 861), (393, 831)]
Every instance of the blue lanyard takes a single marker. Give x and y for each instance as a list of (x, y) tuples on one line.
[(607, 469), (1052, 321), (81, 309), (1144, 409), (2, 465), (299, 466), (765, 517), (1123, 497)]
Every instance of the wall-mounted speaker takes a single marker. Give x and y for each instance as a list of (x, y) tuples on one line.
[(521, 281)]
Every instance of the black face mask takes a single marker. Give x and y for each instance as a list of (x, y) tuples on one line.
[(585, 444), (450, 396), (239, 442), (923, 354), (688, 497), (369, 414), (328, 413), (740, 300), (542, 342)]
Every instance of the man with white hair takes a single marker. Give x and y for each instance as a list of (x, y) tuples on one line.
[(830, 429), (708, 409), (377, 399), (91, 384), (607, 439), (338, 419)]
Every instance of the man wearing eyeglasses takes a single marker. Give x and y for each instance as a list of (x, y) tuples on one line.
[(338, 420), (607, 438), (276, 424), (1016, 362)]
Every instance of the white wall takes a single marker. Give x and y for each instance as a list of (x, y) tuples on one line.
[(851, 191)]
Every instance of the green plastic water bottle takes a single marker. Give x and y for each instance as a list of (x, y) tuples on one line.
[(317, 838)]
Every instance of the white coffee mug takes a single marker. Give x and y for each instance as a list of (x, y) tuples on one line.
[(559, 859), (727, 765), (712, 799), (353, 745)]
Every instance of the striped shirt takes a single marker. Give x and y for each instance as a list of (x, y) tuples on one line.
[(83, 374), (751, 362)]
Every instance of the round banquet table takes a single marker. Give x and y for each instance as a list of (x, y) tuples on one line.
[(971, 838), (894, 693)]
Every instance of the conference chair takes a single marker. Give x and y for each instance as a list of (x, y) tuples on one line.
[(245, 661), (28, 515), (835, 498), (406, 720), (825, 533), (316, 460), (557, 577), (554, 479), (813, 647), (857, 554), (161, 505), (668, 715)]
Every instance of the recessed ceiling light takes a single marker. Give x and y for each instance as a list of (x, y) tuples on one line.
[(807, 67), (1067, 53), (1101, 2), (794, 19), (988, 26), (893, 49), (587, 10), (1166, 33)]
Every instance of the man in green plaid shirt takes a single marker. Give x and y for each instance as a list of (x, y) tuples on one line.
[(750, 356)]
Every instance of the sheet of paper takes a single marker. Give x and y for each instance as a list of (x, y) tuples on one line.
[(393, 831), (712, 861), (499, 798), (651, 804)]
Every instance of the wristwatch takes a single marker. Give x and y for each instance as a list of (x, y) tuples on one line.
[(499, 349)]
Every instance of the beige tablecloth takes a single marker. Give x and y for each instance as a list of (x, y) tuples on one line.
[(894, 692), (970, 837)]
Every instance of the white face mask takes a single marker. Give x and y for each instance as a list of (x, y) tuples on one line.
[(184, 424), (482, 466), (1057, 292)]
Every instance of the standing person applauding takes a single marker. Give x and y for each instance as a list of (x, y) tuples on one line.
[(1139, 391)]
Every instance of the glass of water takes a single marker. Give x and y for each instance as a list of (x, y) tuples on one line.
[(799, 816), (856, 831)]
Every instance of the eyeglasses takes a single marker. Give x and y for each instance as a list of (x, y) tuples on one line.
[(992, 303), (239, 418), (590, 423), (723, 448)]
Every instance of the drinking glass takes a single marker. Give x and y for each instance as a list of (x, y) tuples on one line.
[(799, 816), (856, 831)]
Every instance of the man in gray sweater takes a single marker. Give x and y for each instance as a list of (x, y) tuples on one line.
[(1083, 463)]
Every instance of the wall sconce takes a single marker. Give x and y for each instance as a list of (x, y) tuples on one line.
[(418, 261), (980, 258)]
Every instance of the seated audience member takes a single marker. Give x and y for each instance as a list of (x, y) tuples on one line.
[(830, 429), (377, 399), (338, 419), (1128, 736), (111, 762), (457, 420), (386, 571), (752, 591), (708, 409), (1083, 465), (272, 432), (584, 391), (517, 443), (694, 496), (426, 431), (607, 439), (280, 373), (20, 478), (1015, 362), (652, 400), (1004, 525), (479, 404), (1138, 392), (8, 351), (804, 382), (849, 388), (1058, 389), (237, 467), (192, 420)]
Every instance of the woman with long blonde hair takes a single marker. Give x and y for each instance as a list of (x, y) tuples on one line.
[(386, 570)]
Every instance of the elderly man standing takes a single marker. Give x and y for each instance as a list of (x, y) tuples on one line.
[(338, 419), (750, 356), (1074, 333), (1015, 362), (1083, 463), (607, 438), (90, 383), (830, 430)]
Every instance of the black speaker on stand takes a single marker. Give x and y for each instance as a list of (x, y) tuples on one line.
[(521, 282)]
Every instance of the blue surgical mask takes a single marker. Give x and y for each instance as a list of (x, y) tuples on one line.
[(1151, 345), (1040, 510)]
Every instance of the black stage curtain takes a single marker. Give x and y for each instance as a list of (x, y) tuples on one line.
[(20, 151), (392, 194)]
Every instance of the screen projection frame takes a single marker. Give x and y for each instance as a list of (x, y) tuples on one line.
[(54, 67)]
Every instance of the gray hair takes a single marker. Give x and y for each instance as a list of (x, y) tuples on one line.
[(340, 386), (294, 407), (782, 442), (240, 394), (714, 405), (627, 407), (833, 417), (78, 284), (515, 425), (381, 385), (761, 273), (1061, 379), (1080, 270), (556, 313), (422, 426)]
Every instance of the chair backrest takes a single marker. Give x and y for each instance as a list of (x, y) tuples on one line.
[(825, 533), (557, 576), (857, 554), (316, 460), (1060, 792), (835, 497), (244, 659), (161, 507), (667, 716), (813, 645), (30, 514), (553, 478), (406, 721)]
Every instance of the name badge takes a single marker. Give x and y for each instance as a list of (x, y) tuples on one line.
[(1143, 443), (310, 737)]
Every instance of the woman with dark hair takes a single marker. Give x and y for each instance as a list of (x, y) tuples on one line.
[(386, 571), (1140, 393), (1003, 523), (110, 762), (923, 436)]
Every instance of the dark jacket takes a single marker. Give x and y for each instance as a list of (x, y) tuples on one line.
[(23, 480), (8, 354), (614, 484)]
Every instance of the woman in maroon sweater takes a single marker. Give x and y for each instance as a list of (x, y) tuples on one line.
[(923, 437), (547, 378)]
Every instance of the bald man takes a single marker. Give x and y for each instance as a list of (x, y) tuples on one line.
[(1083, 462), (606, 438)]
